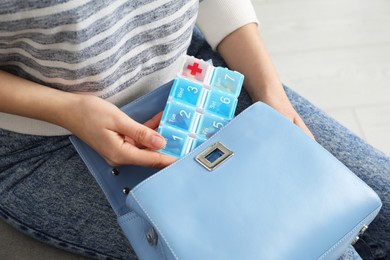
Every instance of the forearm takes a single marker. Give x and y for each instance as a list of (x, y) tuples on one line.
[(25, 98), (244, 51), (102, 125)]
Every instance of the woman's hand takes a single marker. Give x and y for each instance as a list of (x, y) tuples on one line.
[(116, 137), (276, 98), (244, 51)]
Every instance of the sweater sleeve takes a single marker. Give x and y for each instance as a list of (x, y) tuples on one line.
[(218, 18)]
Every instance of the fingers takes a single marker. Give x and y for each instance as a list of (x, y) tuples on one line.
[(143, 134), (135, 142), (154, 122), (301, 124), (131, 155), (152, 159)]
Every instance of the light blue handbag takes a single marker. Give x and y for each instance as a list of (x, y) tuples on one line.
[(258, 189)]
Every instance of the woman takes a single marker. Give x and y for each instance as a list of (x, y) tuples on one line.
[(66, 68)]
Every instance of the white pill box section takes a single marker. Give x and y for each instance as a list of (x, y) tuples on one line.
[(202, 100), (196, 70)]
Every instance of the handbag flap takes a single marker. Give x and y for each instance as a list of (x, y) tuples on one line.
[(279, 196)]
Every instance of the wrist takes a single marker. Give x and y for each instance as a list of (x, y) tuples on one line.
[(263, 90), (64, 109)]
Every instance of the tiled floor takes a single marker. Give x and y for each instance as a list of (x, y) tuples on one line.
[(336, 53)]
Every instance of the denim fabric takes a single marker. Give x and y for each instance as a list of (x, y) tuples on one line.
[(48, 193)]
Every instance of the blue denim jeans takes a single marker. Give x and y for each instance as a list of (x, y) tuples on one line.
[(47, 192)]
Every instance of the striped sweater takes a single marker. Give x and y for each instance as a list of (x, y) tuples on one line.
[(115, 49)]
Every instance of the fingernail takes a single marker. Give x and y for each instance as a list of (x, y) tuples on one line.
[(158, 142)]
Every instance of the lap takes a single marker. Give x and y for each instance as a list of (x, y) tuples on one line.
[(48, 193), (369, 164)]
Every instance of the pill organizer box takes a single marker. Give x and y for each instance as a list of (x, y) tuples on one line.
[(202, 100)]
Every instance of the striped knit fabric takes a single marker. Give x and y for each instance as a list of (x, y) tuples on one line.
[(99, 47), (115, 49)]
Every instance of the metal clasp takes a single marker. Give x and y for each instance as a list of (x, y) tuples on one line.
[(214, 156), (151, 236), (361, 232)]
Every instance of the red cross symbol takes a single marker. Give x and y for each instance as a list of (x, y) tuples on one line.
[(194, 68)]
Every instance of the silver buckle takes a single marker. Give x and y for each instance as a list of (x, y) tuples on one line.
[(214, 156)]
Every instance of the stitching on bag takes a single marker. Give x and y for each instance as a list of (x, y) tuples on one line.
[(348, 234), (195, 150), (125, 219), (156, 226)]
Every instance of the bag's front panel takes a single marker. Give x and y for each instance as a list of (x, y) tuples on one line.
[(280, 196)]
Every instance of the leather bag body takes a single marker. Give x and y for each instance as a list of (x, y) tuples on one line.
[(278, 195)]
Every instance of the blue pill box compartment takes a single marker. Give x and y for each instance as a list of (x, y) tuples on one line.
[(227, 81), (202, 100), (178, 142), (220, 104), (187, 92), (179, 116)]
